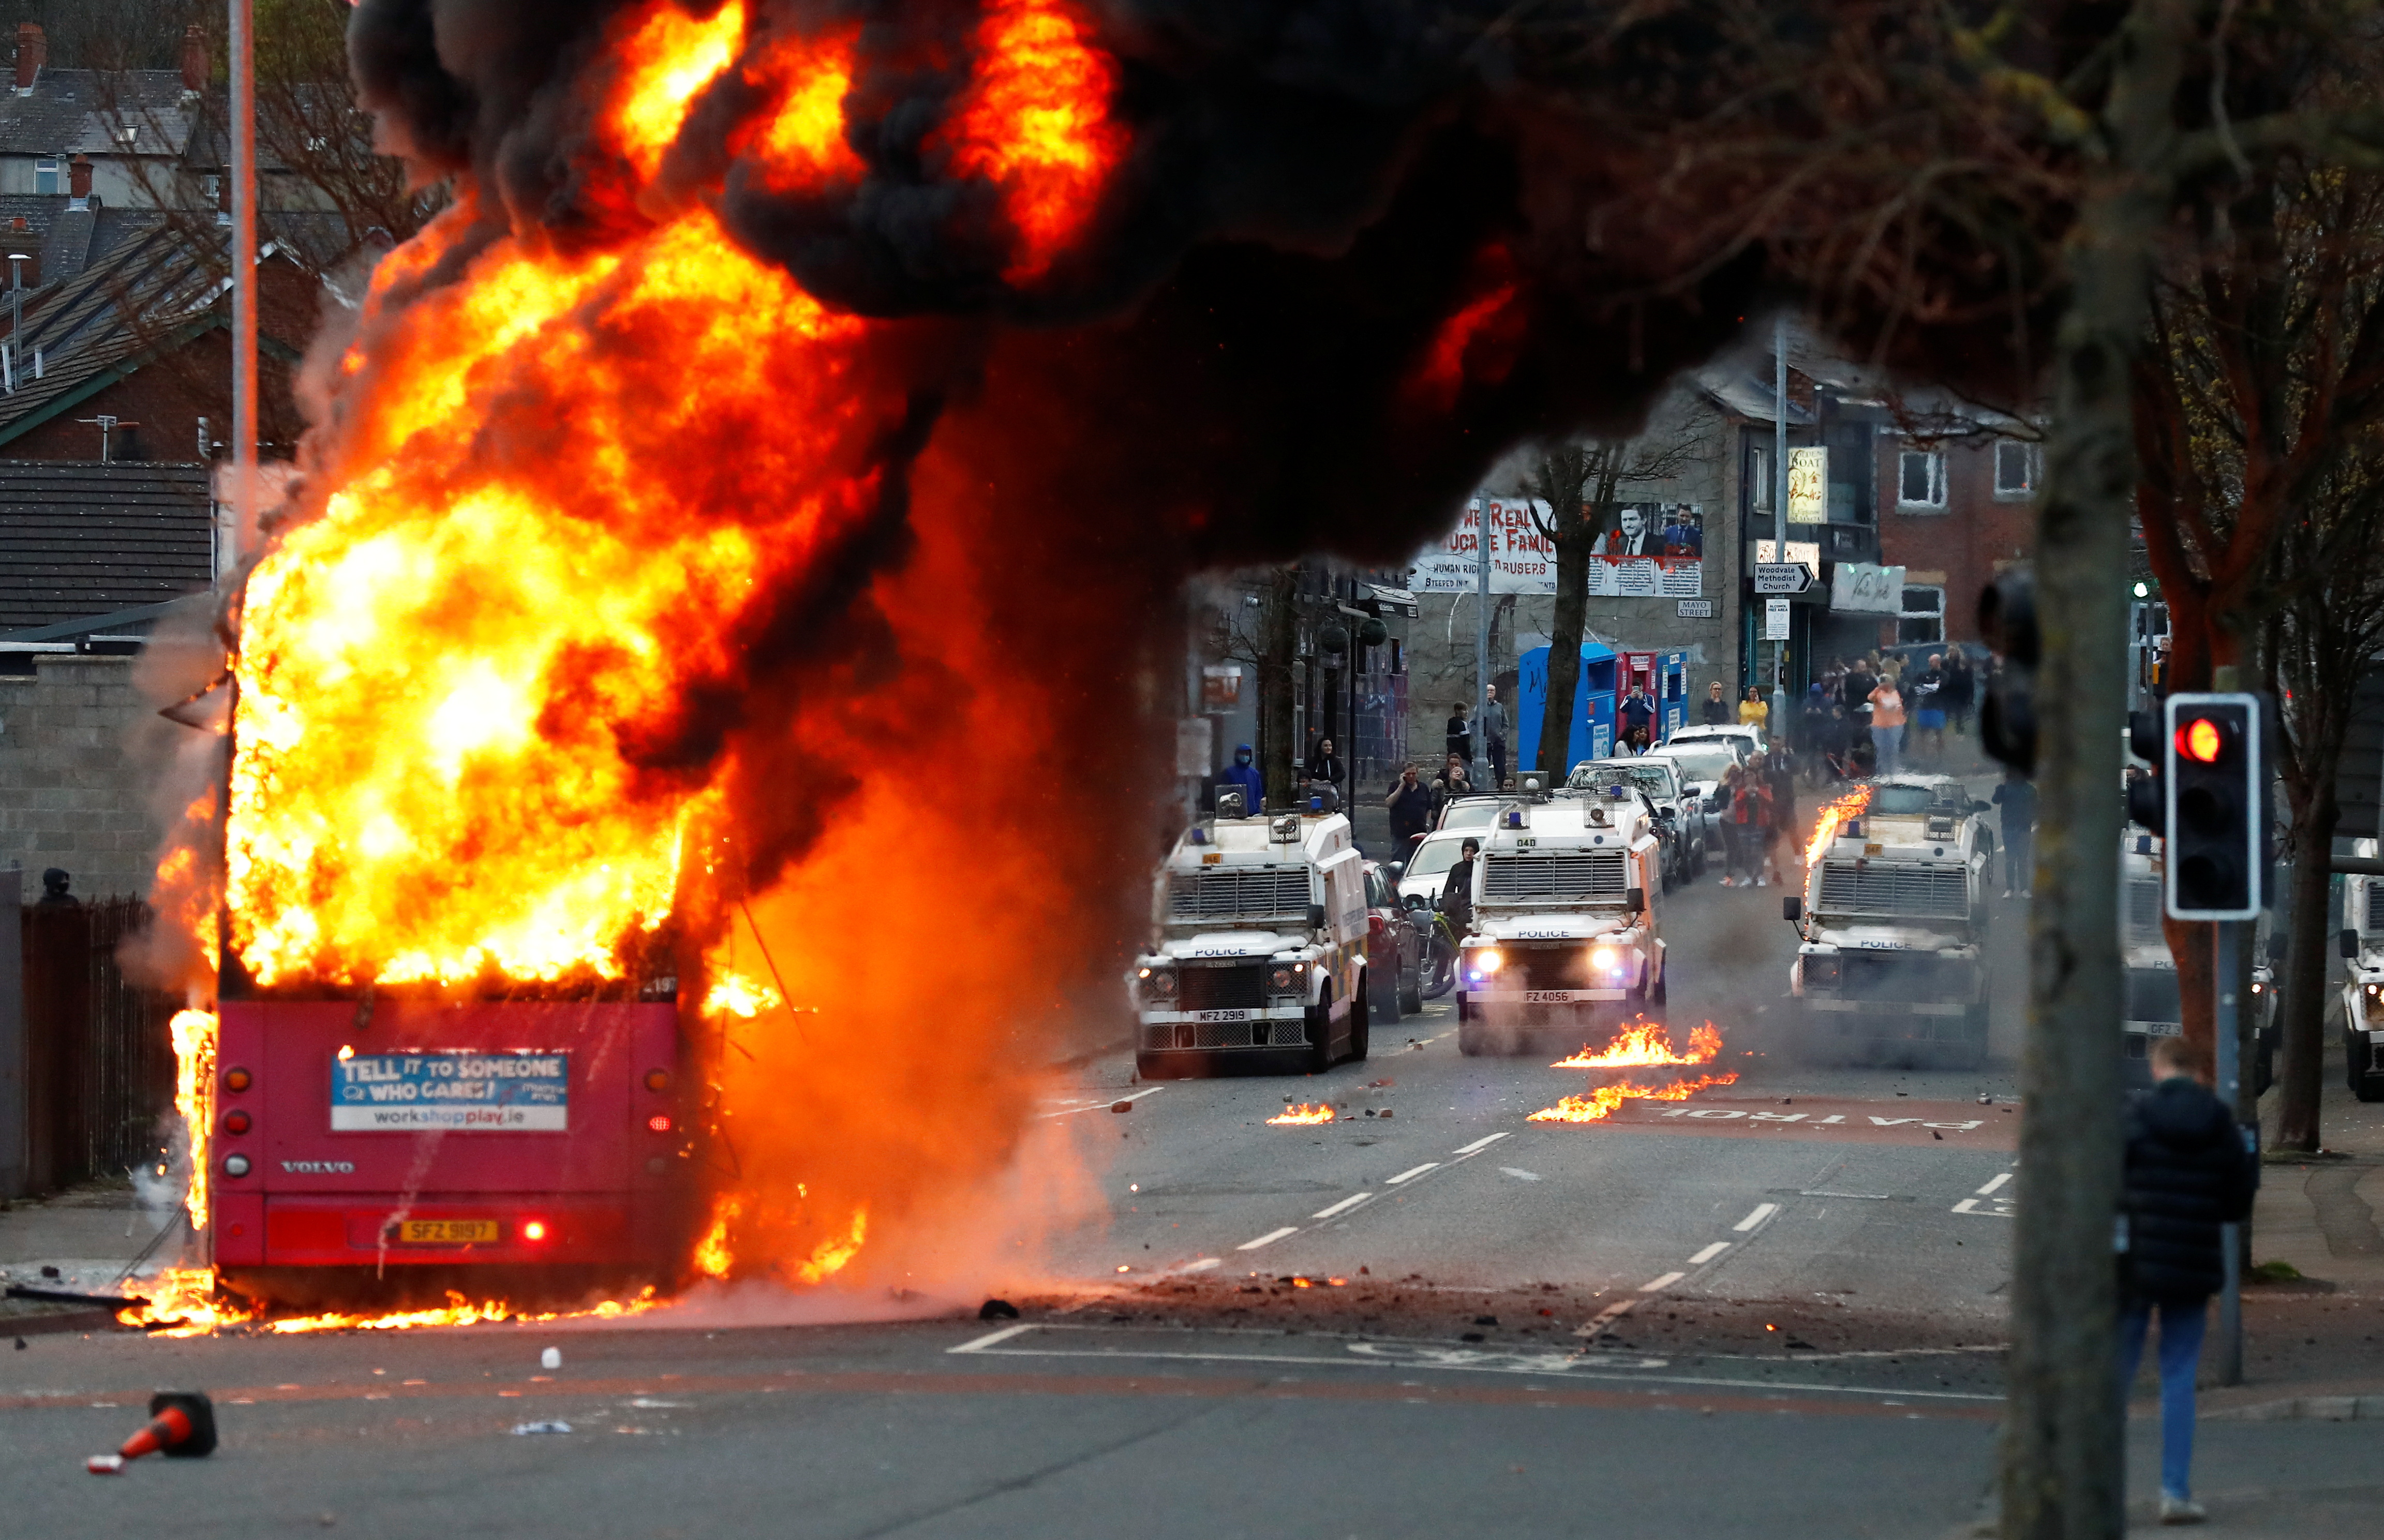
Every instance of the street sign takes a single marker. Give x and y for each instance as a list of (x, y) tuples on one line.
[(1781, 577), (1775, 620), (1695, 609)]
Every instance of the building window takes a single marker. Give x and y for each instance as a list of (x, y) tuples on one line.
[(1923, 618), (1758, 480), (45, 177), (1921, 480), (2018, 468)]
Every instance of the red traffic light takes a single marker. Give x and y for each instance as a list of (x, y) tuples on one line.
[(2202, 739)]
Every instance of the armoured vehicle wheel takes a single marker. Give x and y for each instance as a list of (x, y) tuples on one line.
[(1472, 1041), (2355, 1056), (1412, 997), (1154, 1066), (1319, 1032), (1361, 1018), (1382, 997)]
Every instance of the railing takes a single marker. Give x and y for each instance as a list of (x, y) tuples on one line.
[(99, 1061)]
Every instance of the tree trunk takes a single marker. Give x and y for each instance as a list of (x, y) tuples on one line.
[(1573, 538), (2190, 944), (2300, 1077), (2063, 1475), (1279, 645)]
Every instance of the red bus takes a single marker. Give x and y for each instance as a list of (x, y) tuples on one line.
[(403, 1145)]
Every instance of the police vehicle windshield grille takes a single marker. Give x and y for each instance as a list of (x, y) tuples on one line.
[(1883, 887), (2144, 906), (2153, 996), (1242, 893), (1583, 874)]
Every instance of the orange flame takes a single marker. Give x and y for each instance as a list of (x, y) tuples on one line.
[(1600, 1101), (1645, 1043), (675, 56), (1302, 1115), (1826, 825), (802, 143), (1035, 120), (193, 1033)]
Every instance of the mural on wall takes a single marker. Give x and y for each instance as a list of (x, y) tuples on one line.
[(1651, 551)]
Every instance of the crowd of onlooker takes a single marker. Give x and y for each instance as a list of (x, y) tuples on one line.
[(1874, 714)]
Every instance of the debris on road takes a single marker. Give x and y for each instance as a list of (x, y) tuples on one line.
[(532, 1429), (1126, 1106), (996, 1310), (551, 1358)]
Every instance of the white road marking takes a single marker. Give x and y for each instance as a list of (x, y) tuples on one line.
[(1092, 1106), (1605, 1318), (1269, 1238), (1478, 1145), (1995, 1208), (1413, 1171), (1709, 1254), (1762, 1211), (1658, 1286), (1998, 1182), (980, 1344), (1519, 1174), (1203, 1265), (1342, 1206)]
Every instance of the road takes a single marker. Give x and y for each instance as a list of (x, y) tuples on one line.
[(1772, 1308)]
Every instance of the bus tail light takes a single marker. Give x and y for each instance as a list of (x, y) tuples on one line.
[(533, 1229)]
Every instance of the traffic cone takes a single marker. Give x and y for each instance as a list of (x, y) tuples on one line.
[(182, 1424)]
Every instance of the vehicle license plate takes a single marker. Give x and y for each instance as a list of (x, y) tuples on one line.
[(1221, 1015), (446, 1232), (1552, 996)]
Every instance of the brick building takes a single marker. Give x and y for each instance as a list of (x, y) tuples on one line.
[(93, 557), (1955, 511)]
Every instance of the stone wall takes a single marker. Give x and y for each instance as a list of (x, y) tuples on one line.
[(70, 794)]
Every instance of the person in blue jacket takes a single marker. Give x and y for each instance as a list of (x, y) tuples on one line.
[(1242, 773)]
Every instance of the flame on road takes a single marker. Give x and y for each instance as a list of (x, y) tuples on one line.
[(1305, 1113), (1645, 1043), (1599, 1102)]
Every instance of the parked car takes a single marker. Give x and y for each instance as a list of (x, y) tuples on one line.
[(1744, 740), (1659, 782), (1700, 766), (1395, 947)]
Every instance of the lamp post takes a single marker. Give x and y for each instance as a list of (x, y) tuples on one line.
[(1778, 510), (244, 261)]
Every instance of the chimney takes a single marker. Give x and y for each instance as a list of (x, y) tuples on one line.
[(197, 63), (79, 178), (32, 51)]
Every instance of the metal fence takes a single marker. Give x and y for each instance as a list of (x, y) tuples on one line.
[(99, 1058)]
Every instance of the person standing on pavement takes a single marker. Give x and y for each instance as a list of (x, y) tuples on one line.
[(1456, 893), (1854, 692), (1927, 692), (1244, 775), (1754, 712), (1494, 737), (2017, 797), (1713, 710), (1460, 734), (1725, 812), (1451, 783), (1750, 809), (1637, 713), (1324, 765), (1961, 690), (1410, 809), (1886, 727), (2189, 1170)]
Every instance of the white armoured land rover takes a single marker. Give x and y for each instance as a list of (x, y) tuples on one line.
[(1893, 912), (2363, 993), (1259, 951), (1565, 940)]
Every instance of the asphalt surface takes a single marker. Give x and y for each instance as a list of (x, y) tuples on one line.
[(1773, 1308)]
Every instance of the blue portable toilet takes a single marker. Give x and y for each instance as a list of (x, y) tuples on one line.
[(1593, 705)]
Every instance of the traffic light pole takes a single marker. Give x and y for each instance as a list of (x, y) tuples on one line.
[(2230, 1076)]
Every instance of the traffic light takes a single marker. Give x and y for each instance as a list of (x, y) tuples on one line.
[(2007, 715), (2147, 793), (2215, 763)]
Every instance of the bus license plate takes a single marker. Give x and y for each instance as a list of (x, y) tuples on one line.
[(446, 1232), (1221, 1015), (1553, 997)]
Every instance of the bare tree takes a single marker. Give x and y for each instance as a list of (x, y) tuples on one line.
[(1581, 481), (2329, 570)]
